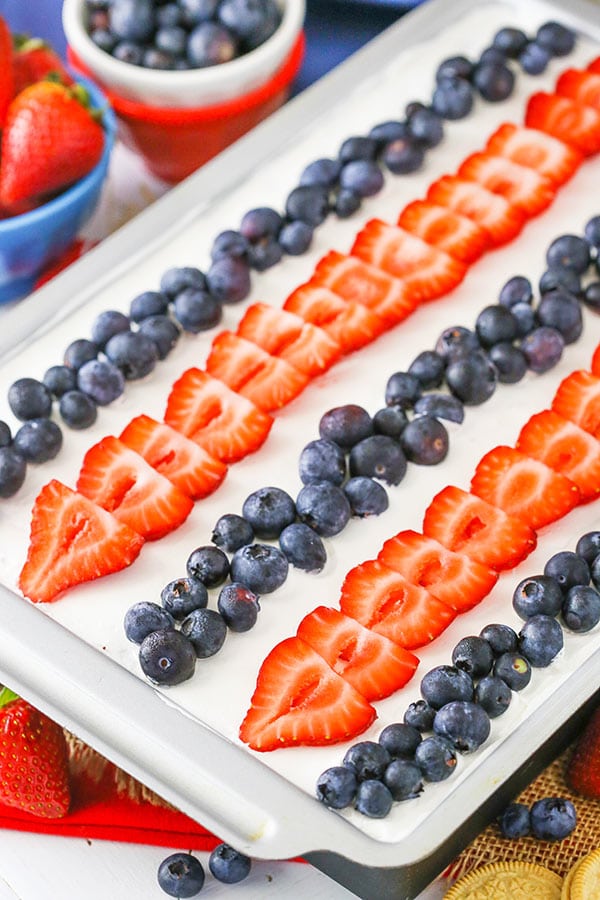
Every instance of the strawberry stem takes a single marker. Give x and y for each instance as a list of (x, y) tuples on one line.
[(7, 696)]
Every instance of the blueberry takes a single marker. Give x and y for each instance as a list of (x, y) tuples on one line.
[(102, 380), (373, 799), (322, 460), (515, 821), (494, 324), (366, 496), (540, 640), (208, 565), (561, 310), (206, 630), (322, 172), (197, 310), (595, 572), (38, 441), (295, 237), (346, 425), (591, 296), (588, 546), (400, 740), (195, 11), (5, 434), (428, 366), (182, 595), (60, 379), (163, 333), (514, 669), (129, 52), (107, 324), (403, 155), (465, 724), (248, 19), (445, 683), (260, 223), (525, 317), (436, 758), (516, 290), (440, 406), (168, 15), (79, 352), (452, 98), (509, 361), (210, 44), (143, 618), (175, 280), (556, 37), (336, 787), (455, 342), (419, 715), (569, 251), (402, 389), (454, 67), (303, 547), (104, 39), (181, 875), (77, 409), (390, 420), (13, 469), (494, 81), (592, 231), (238, 606), (472, 379), (265, 253), (510, 41), (426, 126), (133, 353), (537, 594), (229, 279), (29, 398), (171, 39), (324, 507), (501, 638), (228, 865), (425, 441), (358, 147), (363, 176), (568, 569), (378, 456), (581, 608), (552, 818), (269, 510), (367, 759), (346, 203), (534, 58), (493, 694), (404, 779), (260, 567), (132, 20), (474, 656), (492, 55), (543, 348), (308, 203), (229, 243), (232, 532)]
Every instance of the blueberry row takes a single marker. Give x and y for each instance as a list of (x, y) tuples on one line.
[(182, 874), (460, 700), (127, 347)]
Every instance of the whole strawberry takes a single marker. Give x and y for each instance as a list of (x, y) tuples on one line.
[(6, 71), (34, 772), (51, 139), (34, 60), (583, 770)]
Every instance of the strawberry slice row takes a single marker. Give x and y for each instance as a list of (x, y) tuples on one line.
[(420, 582)]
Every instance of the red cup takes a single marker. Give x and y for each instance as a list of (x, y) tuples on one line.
[(174, 142)]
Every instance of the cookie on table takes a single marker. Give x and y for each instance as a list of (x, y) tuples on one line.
[(508, 881)]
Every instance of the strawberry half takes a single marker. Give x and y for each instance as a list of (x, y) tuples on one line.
[(269, 382), (359, 282), (530, 147), (34, 760), (447, 230), (565, 447), (72, 540), (372, 663), (580, 85), (305, 346), (351, 325), (523, 487), (385, 602), (427, 271), (521, 186), (502, 221), (565, 119), (299, 699), (453, 578), (583, 769), (467, 524), (121, 481), (7, 86), (188, 466), (577, 399), (205, 410)]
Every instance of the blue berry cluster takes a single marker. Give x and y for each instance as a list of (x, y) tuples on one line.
[(548, 819), (180, 34), (182, 874), (459, 700)]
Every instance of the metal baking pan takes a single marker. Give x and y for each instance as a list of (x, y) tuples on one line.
[(178, 747)]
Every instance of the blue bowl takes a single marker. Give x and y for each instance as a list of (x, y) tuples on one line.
[(29, 242)]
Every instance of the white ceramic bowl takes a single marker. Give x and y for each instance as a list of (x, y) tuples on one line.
[(192, 87)]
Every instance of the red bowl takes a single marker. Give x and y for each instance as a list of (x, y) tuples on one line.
[(175, 142)]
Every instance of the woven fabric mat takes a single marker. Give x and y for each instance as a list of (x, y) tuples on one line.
[(490, 846)]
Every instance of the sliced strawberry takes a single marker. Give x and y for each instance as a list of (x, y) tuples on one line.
[(72, 540), (565, 119), (521, 186), (353, 279), (372, 663), (580, 85), (577, 399), (351, 325), (269, 382), (502, 221), (565, 447), (454, 578), (595, 364), (187, 465), (523, 487), (537, 150), (385, 602), (467, 524), (427, 271), (286, 335), (447, 230), (121, 481), (204, 409), (299, 699)]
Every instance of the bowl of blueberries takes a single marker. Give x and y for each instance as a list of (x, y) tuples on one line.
[(186, 77)]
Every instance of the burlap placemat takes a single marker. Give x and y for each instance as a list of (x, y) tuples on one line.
[(490, 846)]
